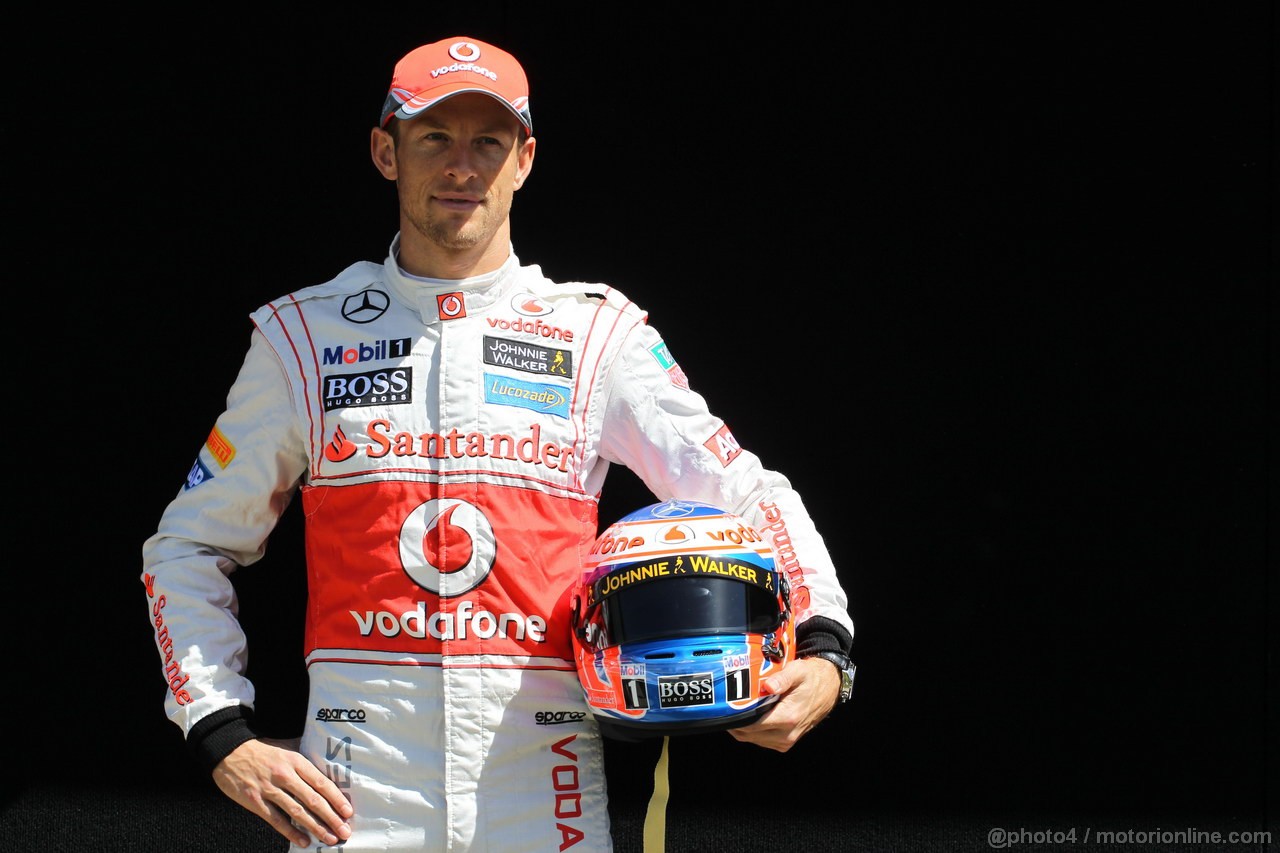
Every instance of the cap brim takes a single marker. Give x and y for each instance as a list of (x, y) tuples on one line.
[(418, 104)]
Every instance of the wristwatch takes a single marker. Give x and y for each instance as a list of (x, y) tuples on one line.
[(846, 667)]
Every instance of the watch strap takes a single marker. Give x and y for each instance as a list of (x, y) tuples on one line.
[(844, 665)]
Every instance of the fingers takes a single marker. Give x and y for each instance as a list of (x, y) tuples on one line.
[(283, 825), (777, 738), (316, 805), (287, 791), (805, 698), (309, 801)]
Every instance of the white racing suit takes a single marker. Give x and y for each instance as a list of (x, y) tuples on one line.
[(449, 440)]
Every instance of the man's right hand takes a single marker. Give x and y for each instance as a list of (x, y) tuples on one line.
[(273, 780)]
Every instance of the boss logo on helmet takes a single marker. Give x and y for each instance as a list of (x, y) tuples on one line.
[(682, 691)]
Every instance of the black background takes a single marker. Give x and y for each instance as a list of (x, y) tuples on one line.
[(994, 287)]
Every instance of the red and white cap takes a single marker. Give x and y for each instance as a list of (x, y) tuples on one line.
[(429, 74)]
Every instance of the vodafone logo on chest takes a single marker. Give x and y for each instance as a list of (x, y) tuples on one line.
[(447, 546)]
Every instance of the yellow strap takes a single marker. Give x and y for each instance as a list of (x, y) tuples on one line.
[(655, 819)]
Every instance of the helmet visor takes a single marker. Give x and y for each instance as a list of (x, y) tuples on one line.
[(686, 607)]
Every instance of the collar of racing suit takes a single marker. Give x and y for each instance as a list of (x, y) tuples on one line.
[(437, 299)]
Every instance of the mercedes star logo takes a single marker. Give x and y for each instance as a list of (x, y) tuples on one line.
[(365, 306)]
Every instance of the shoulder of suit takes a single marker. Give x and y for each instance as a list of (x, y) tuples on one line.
[(357, 278), (593, 293)]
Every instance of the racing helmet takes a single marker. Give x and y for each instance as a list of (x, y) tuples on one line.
[(679, 613)]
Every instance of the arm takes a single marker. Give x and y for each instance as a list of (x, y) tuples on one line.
[(243, 479), (663, 431)]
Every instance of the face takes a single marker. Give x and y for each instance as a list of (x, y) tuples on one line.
[(456, 167)]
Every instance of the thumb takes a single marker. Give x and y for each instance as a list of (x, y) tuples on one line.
[(777, 682)]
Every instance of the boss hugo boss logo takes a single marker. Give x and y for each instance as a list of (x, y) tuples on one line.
[(344, 390), (683, 691), (340, 715), (555, 718)]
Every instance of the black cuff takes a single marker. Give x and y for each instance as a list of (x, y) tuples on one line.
[(820, 634), (217, 735)]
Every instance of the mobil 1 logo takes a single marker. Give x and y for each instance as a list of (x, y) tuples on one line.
[(635, 694)]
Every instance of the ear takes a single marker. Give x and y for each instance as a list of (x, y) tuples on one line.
[(382, 148), (524, 161)]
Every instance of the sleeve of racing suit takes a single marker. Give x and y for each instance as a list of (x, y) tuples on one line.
[(663, 431), (244, 477)]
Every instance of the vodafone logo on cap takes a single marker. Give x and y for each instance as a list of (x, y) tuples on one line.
[(464, 51)]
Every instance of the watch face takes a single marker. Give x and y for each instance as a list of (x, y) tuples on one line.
[(846, 682), (846, 668)]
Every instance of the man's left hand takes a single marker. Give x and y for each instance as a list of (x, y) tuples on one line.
[(807, 691)]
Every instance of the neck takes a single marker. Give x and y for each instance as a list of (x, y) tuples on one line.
[(422, 257)]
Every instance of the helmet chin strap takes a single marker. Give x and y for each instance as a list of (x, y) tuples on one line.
[(655, 817)]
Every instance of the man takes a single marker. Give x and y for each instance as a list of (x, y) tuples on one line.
[(448, 418)]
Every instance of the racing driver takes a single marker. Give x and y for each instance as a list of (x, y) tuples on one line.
[(447, 418)]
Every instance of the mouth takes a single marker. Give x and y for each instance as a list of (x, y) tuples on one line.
[(457, 202)]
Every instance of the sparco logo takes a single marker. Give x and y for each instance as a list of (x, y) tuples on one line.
[(555, 718), (340, 715), (376, 351), (343, 390), (681, 691)]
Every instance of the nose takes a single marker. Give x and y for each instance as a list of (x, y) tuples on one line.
[(460, 162)]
